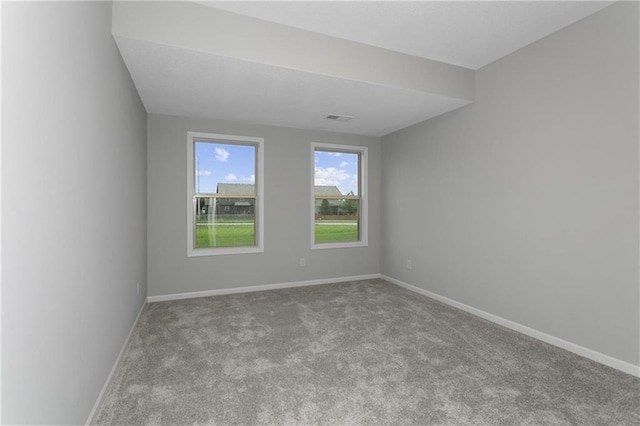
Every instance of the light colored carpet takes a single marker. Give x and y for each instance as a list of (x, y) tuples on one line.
[(365, 352)]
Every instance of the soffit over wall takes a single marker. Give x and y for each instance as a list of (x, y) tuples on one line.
[(190, 59)]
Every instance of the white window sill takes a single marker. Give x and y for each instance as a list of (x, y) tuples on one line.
[(322, 246), (223, 251)]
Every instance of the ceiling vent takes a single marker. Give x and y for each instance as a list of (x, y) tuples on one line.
[(335, 117)]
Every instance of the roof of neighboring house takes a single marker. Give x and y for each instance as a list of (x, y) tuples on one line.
[(236, 188), (327, 190)]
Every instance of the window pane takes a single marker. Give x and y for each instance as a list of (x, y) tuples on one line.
[(225, 222), (336, 174), (228, 219), (341, 225), (337, 171), (227, 168)]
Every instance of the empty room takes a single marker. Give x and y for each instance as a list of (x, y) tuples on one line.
[(320, 212)]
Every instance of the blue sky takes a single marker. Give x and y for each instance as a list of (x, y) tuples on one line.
[(337, 168), (223, 163), (229, 163)]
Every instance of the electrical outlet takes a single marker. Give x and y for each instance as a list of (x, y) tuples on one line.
[(409, 264), (138, 288), (303, 262)]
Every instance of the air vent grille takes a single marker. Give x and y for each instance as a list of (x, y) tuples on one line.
[(336, 117)]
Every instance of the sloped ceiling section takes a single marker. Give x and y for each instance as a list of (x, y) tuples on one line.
[(187, 59), (470, 34)]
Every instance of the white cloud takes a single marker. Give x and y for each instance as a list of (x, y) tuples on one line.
[(203, 173), (344, 164), (335, 154), (354, 183), (230, 177), (330, 176), (222, 155)]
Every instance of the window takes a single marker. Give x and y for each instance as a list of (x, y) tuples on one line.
[(225, 187), (339, 196)]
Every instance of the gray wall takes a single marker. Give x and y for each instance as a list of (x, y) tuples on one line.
[(525, 204), (287, 212), (73, 208)]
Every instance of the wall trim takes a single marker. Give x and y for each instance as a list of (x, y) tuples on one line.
[(220, 292), (107, 382), (599, 357)]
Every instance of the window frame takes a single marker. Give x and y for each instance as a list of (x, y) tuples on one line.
[(258, 143), (363, 184)]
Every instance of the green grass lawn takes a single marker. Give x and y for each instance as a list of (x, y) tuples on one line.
[(334, 233), (241, 233), (222, 235)]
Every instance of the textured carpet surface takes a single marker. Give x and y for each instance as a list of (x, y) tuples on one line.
[(365, 352)]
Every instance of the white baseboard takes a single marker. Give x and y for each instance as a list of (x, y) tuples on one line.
[(113, 369), (607, 360), (193, 294)]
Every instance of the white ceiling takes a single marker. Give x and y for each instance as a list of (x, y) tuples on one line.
[(470, 34), (251, 74)]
